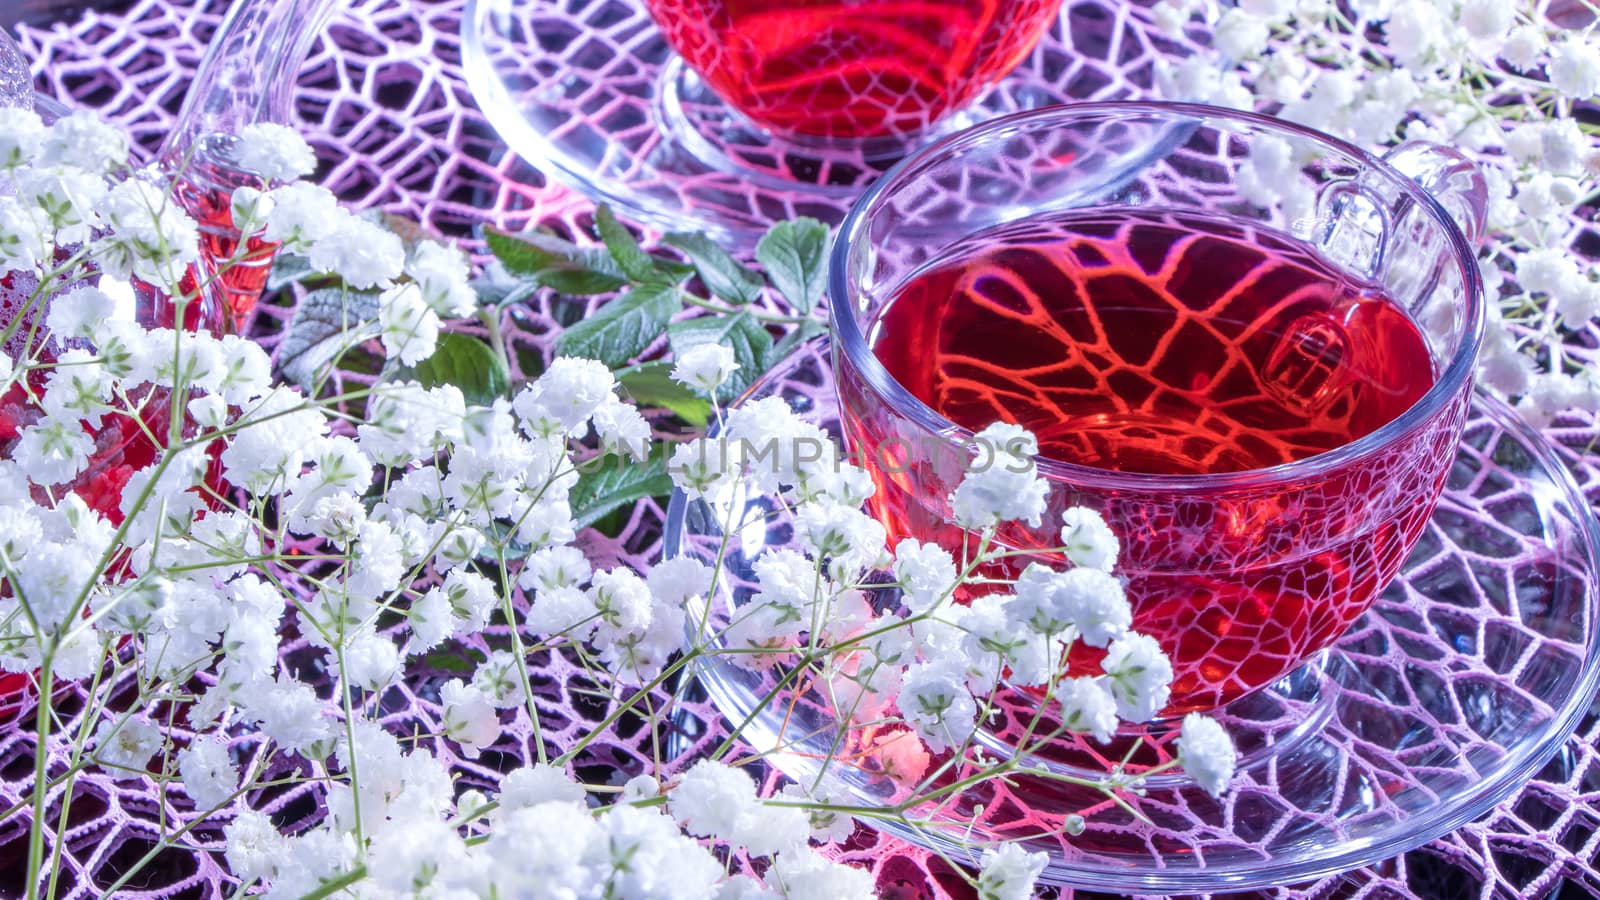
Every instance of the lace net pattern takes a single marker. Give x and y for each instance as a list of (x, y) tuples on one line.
[(383, 100)]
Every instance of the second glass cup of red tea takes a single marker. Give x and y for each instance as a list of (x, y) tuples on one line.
[(1247, 345), (851, 68)]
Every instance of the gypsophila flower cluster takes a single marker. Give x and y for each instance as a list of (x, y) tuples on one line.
[(233, 512), (1500, 79)]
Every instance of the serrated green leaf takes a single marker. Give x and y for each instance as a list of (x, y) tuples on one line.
[(795, 255), (326, 323), (559, 264), (618, 481), (467, 363), (724, 276), (651, 385), (750, 342), (623, 327), (630, 257)]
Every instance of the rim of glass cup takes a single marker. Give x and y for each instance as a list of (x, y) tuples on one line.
[(847, 333)]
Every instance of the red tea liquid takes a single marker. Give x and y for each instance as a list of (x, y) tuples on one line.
[(1177, 344), (851, 68)]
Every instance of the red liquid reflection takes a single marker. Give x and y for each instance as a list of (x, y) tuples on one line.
[(1180, 345), (846, 68)]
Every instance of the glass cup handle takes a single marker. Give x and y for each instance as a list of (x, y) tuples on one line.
[(1453, 179)]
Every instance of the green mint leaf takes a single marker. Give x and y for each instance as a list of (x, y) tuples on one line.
[(724, 276), (467, 363), (623, 327), (651, 385), (616, 481), (631, 258), (498, 287), (750, 342), (326, 324), (795, 255), (551, 261)]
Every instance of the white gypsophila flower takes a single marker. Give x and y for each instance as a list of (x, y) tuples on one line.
[(777, 447), (562, 610), (537, 784), (847, 538), (470, 719), (1524, 47), (1138, 675), (622, 430), (151, 237), (22, 135), (1545, 270), (647, 857), (927, 574), (246, 370), (1090, 600), (250, 209), (803, 874), (444, 275), (288, 712), (995, 641), (555, 567), (827, 826), (1206, 753), (208, 773), (418, 856), (317, 856), (705, 367), (622, 600), (209, 411), (1170, 18), (551, 845), (1088, 540), (254, 848), (1087, 707), (1240, 35), (1001, 483), (1009, 872), (710, 799), (499, 678), (77, 388), (639, 788), (765, 829), (935, 702), (82, 140), (364, 254), (23, 240), (1574, 67), (408, 327), (407, 422), (565, 397), (68, 197), (703, 468), (127, 743), (274, 152), (370, 660), (301, 215), (275, 437), (1487, 19), (674, 582), (52, 451)]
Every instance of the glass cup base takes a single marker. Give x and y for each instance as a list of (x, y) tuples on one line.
[(1464, 678), (591, 95)]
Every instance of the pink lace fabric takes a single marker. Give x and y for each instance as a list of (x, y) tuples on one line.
[(384, 101)]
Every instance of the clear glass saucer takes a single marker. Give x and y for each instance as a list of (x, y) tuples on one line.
[(590, 94), (1461, 682)]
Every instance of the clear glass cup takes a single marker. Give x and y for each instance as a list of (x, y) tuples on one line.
[(1241, 575)]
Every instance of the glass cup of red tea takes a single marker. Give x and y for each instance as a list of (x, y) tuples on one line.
[(846, 69), (1247, 345)]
